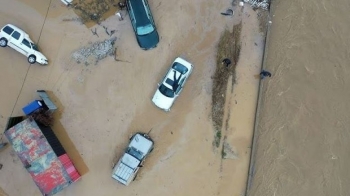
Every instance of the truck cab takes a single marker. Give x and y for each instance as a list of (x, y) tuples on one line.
[(135, 154)]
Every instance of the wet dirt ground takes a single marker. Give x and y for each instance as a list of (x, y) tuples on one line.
[(101, 105)]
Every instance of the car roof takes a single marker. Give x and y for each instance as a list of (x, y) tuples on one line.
[(169, 79), (140, 12), (15, 28), (141, 143)]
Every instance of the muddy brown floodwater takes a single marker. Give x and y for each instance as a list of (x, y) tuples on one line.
[(102, 104), (303, 125)]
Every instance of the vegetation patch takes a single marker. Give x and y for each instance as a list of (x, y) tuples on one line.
[(229, 47), (94, 11)]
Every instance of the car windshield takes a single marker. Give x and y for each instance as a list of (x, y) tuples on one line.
[(144, 30), (180, 68), (135, 153), (166, 91), (35, 47)]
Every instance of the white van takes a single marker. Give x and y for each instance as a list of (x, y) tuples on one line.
[(19, 40), (135, 154)]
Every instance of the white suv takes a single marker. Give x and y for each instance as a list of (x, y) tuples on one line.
[(19, 40)]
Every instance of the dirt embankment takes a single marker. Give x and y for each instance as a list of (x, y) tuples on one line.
[(229, 47), (91, 12)]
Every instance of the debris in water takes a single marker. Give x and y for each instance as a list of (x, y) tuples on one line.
[(112, 32), (119, 16), (229, 12), (95, 51), (228, 152), (106, 30), (93, 11), (94, 32), (263, 4)]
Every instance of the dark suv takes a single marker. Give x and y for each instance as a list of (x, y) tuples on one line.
[(143, 23)]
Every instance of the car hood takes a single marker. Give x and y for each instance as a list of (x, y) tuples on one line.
[(148, 41), (162, 101), (40, 58)]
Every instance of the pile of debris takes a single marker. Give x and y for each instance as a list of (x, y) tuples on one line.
[(263, 4), (93, 11), (95, 51)]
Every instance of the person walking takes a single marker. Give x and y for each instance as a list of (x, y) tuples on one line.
[(264, 74), (121, 5)]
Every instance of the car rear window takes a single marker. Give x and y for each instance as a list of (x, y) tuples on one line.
[(180, 68), (140, 11), (166, 91), (8, 30)]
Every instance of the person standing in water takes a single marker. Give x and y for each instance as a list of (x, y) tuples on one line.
[(264, 74)]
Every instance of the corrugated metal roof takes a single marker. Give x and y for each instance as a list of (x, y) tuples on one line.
[(38, 157)]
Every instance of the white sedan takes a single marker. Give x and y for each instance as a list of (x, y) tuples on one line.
[(19, 40), (172, 84)]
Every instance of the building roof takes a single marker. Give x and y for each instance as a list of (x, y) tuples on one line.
[(38, 157)]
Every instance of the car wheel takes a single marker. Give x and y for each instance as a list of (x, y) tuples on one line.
[(3, 42), (31, 59)]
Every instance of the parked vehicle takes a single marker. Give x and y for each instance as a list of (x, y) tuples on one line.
[(172, 84), (67, 2), (19, 40), (135, 154), (143, 24)]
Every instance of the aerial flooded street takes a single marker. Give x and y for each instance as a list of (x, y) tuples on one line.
[(102, 103), (103, 83)]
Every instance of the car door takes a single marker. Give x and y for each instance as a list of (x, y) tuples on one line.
[(15, 42), (26, 46)]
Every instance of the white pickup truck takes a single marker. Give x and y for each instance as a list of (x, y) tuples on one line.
[(16, 38), (135, 154)]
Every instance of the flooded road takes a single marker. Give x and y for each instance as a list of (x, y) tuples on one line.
[(101, 105), (303, 122)]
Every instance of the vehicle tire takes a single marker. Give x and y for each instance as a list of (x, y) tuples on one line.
[(31, 59), (134, 178), (3, 42), (151, 150)]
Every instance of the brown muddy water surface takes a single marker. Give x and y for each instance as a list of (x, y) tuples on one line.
[(303, 134), (101, 105)]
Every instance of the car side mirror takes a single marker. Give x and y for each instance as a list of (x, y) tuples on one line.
[(158, 84)]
